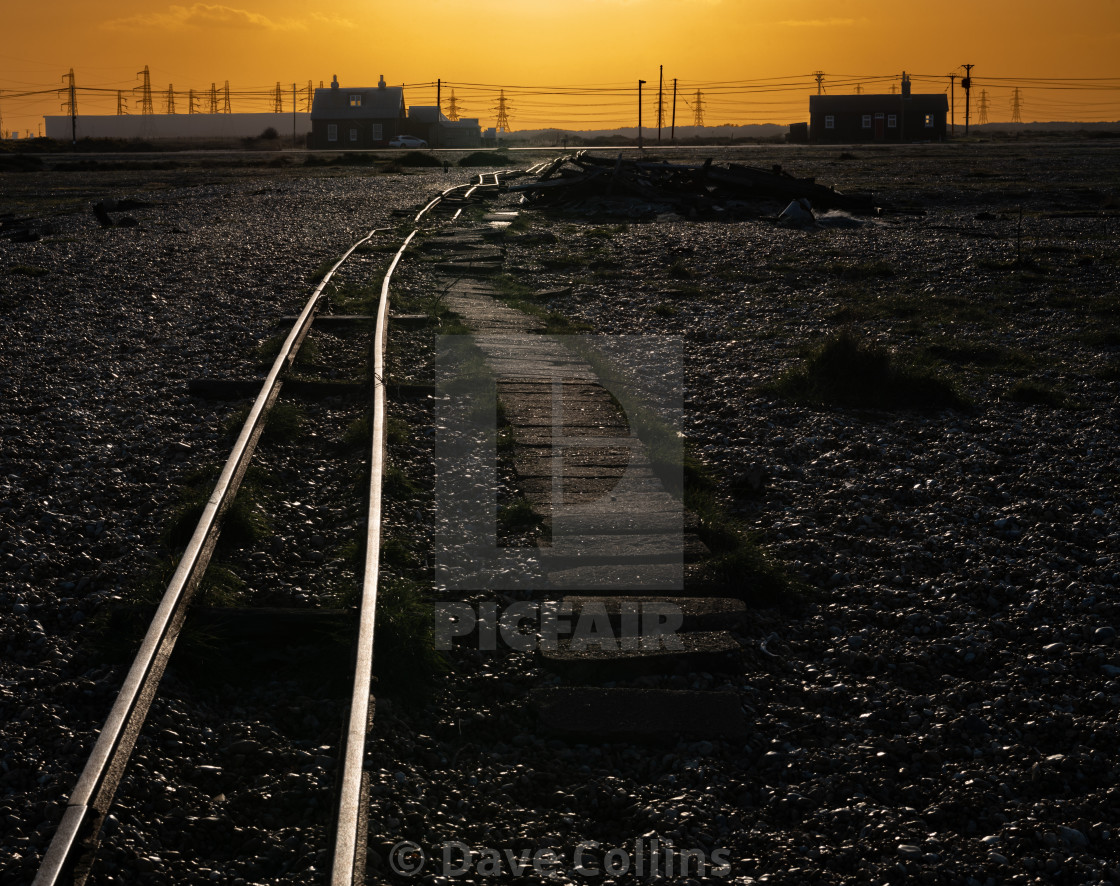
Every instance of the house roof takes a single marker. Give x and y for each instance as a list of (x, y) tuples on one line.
[(376, 102), (866, 104), (425, 114)]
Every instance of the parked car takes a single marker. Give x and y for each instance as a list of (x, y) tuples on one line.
[(407, 141)]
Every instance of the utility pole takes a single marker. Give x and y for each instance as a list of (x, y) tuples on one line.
[(673, 131), (146, 106), (660, 102), (819, 77), (293, 116), (966, 82), (170, 98), (640, 84), (439, 106), (698, 110), (1016, 107), (953, 103)]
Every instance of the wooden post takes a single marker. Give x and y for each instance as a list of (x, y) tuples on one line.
[(660, 101), (673, 131)]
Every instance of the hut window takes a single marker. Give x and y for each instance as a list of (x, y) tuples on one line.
[(866, 121), (332, 132), (355, 100), (829, 121), (378, 132), (353, 135), (892, 121), (929, 121)]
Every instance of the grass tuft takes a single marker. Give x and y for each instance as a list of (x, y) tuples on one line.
[(843, 371)]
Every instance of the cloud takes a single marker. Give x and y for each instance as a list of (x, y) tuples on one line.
[(821, 23), (211, 16)]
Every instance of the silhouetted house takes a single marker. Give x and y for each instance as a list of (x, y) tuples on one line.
[(425, 121), (850, 119), (365, 117)]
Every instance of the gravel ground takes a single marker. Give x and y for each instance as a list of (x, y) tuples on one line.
[(942, 710)]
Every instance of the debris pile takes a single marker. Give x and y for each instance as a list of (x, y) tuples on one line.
[(615, 186)]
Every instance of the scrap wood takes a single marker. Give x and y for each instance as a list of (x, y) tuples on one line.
[(691, 187)]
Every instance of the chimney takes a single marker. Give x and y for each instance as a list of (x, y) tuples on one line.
[(381, 82), (334, 82)]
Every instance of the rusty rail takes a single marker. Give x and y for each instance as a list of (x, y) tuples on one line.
[(69, 855)]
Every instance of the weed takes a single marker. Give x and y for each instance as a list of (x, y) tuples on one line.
[(267, 351), (680, 270), (245, 521), (27, 271), (406, 659), (519, 516), (1034, 393), (666, 309), (843, 371)]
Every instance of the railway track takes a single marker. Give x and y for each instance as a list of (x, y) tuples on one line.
[(554, 402)]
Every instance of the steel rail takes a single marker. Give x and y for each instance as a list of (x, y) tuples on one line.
[(348, 861), (89, 803)]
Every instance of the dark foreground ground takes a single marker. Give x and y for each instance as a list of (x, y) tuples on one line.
[(942, 709)]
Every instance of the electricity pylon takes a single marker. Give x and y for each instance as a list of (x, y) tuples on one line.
[(982, 109), (213, 98), (1016, 106), (225, 105), (277, 100), (192, 102), (310, 96), (698, 109), (72, 104), (122, 105), (502, 124), (453, 108), (170, 98), (146, 106)]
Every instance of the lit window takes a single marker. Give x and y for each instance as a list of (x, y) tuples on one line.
[(356, 101), (866, 121), (378, 132), (929, 121), (332, 132), (892, 121), (829, 121)]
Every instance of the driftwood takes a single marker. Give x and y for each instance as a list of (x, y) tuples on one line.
[(691, 189)]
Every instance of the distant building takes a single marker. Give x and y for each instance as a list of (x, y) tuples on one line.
[(357, 117), (902, 117), (177, 126), (425, 121)]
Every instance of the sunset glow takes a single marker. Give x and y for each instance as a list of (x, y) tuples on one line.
[(751, 60)]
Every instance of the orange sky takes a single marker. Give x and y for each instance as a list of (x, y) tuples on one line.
[(607, 43)]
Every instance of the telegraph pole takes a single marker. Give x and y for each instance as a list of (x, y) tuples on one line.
[(640, 83), (819, 77), (953, 103), (293, 116), (673, 131), (966, 82), (660, 101), (439, 106)]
